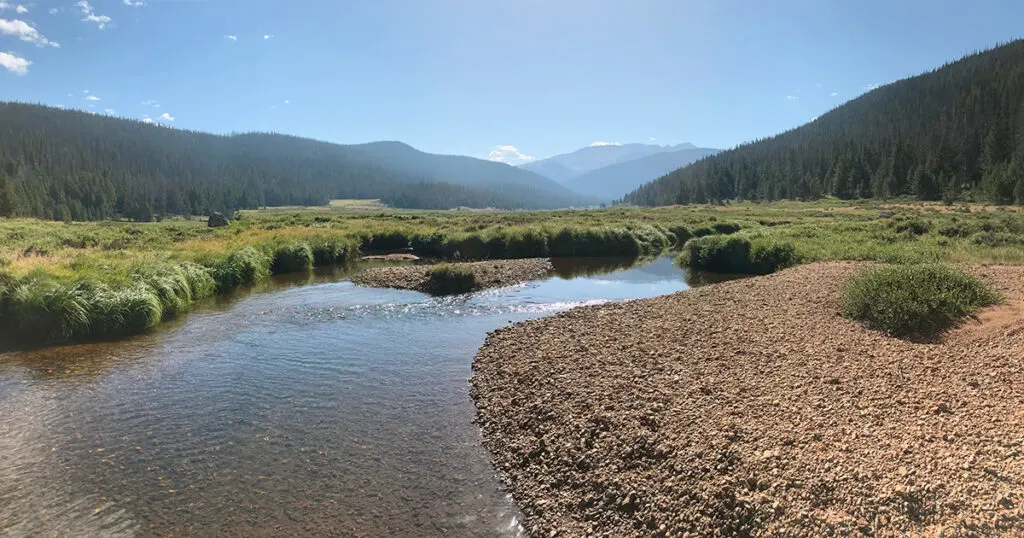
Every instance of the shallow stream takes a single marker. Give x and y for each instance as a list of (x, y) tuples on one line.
[(312, 407)]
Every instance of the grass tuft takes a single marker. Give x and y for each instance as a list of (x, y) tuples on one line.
[(449, 279)]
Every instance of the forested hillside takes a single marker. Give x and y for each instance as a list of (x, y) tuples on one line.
[(954, 133), (71, 165)]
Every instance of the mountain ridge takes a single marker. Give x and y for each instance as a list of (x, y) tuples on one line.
[(955, 132), (75, 165)]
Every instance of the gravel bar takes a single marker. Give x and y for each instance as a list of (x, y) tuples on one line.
[(753, 408), (489, 274)]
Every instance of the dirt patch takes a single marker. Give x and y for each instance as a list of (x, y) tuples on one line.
[(753, 408), (489, 274)]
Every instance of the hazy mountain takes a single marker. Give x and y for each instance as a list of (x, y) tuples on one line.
[(568, 165), (457, 169), (615, 181), (956, 132), (64, 164)]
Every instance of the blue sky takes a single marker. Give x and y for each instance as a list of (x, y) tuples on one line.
[(473, 77)]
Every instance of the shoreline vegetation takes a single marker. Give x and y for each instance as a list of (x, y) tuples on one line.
[(62, 282), (755, 407)]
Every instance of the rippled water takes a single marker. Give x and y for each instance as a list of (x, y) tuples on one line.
[(325, 409)]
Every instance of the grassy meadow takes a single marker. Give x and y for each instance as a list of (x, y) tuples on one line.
[(70, 281)]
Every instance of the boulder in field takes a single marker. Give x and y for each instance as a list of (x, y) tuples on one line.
[(217, 220)]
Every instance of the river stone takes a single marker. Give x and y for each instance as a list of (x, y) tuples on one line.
[(217, 220)]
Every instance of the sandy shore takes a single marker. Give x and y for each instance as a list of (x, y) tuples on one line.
[(752, 408), (489, 274)]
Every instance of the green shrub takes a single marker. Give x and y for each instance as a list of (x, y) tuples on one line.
[(768, 256), (955, 228), (738, 255), (996, 239), (913, 300), (910, 225), (292, 257), (726, 228), (448, 279), (703, 231), (717, 253), (682, 233)]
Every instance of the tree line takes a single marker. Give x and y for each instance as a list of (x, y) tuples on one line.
[(955, 133), (73, 165)]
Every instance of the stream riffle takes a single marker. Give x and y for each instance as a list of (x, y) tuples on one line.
[(314, 407)]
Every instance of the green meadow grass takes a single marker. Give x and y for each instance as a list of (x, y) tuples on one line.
[(70, 281)]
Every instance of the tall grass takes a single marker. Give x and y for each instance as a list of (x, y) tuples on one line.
[(55, 271)]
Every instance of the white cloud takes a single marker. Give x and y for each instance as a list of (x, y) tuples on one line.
[(268, 36), (53, 10), (166, 117), (835, 94), (287, 102), (14, 64), (651, 139), (138, 3), (872, 86), (150, 102), (4, 5), (110, 111), (91, 98), (599, 143), (25, 32), (232, 37), (90, 16), (85, 91), (147, 119), (21, 9), (791, 98), (508, 155)]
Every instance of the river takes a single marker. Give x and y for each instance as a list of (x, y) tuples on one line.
[(311, 407)]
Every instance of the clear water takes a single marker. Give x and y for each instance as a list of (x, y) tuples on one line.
[(322, 409)]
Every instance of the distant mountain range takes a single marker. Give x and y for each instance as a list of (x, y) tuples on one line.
[(73, 165), (614, 181), (608, 172)]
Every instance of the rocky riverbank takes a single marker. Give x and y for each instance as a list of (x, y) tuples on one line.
[(489, 274), (753, 408)]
